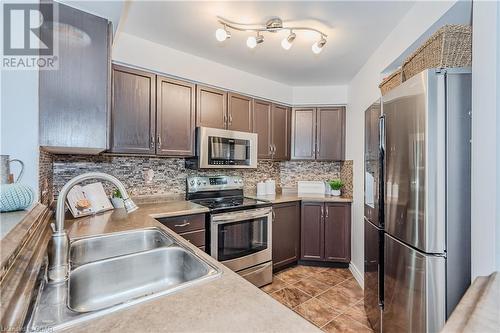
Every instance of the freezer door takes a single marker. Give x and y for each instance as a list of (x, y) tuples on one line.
[(414, 292), (372, 163), (373, 274), (414, 150)]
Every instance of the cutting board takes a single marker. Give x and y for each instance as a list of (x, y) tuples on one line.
[(310, 187)]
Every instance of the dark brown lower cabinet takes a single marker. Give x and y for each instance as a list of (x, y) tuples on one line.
[(312, 244), (338, 232), (190, 227), (326, 231), (286, 234)]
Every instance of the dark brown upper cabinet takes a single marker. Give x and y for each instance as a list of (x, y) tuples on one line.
[(239, 112), (211, 107), (74, 100), (303, 140), (286, 234), (272, 124), (330, 134), (262, 126), (175, 117), (326, 232), (281, 119), (318, 134), (133, 111)]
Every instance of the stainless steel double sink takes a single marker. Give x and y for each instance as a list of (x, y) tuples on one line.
[(112, 271)]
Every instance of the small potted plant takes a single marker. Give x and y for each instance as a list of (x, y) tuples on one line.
[(117, 199), (336, 186)]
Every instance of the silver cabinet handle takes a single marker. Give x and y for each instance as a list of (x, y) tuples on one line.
[(270, 149), (326, 209), (224, 119), (159, 141), (185, 224), (152, 142), (322, 212), (230, 118)]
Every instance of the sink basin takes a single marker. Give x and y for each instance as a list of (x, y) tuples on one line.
[(114, 271), (96, 248), (102, 284)]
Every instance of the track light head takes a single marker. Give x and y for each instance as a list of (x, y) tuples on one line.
[(253, 41), (318, 46), (287, 42), (222, 34)]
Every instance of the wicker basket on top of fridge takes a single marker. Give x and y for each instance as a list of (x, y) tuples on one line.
[(450, 46)]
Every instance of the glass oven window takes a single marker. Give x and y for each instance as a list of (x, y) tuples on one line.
[(230, 151), (241, 238)]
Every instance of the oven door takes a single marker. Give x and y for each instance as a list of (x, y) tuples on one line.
[(242, 239), (226, 149)]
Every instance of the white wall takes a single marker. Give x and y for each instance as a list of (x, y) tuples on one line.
[(19, 122), (132, 50), (139, 52), (498, 140), (19, 119), (363, 90), (319, 95), (485, 136)]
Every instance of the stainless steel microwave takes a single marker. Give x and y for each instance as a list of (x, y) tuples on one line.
[(218, 148)]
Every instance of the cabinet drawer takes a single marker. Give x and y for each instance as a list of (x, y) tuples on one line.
[(185, 223), (197, 238)]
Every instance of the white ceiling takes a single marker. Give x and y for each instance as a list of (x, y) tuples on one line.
[(354, 29)]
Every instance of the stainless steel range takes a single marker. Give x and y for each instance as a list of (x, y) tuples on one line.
[(238, 228)]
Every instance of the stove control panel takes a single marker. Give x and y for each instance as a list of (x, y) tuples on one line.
[(213, 183)]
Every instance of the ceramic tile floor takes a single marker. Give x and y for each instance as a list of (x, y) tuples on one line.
[(330, 298)]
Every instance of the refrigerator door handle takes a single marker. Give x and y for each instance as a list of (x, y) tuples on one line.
[(381, 133)]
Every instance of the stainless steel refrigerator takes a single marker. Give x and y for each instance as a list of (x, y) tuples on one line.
[(417, 202)]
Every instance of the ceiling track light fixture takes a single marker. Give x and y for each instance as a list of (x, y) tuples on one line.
[(273, 25)]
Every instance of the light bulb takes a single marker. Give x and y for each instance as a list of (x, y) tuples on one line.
[(286, 43), (222, 34), (318, 46), (251, 42)]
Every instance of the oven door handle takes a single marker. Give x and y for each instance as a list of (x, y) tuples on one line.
[(241, 216)]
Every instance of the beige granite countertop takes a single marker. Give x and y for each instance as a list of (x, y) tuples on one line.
[(226, 304), (293, 196)]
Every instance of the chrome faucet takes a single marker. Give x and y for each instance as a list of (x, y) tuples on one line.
[(59, 244)]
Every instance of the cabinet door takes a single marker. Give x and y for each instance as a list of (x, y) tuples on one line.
[(280, 132), (312, 231), (338, 232), (303, 134), (262, 126), (133, 111), (211, 107), (175, 117), (286, 234), (330, 134), (74, 99), (239, 112)]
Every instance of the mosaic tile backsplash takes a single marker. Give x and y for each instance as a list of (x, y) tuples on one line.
[(170, 174)]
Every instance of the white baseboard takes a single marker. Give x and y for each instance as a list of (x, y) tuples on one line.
[(357, 274)]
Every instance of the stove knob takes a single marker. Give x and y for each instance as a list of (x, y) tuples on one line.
[(191, 182), (204, 182), (199, 183)]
